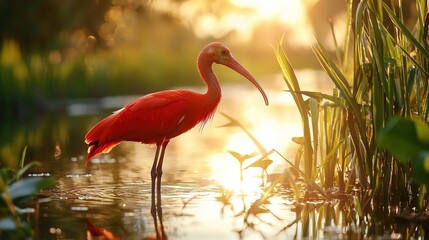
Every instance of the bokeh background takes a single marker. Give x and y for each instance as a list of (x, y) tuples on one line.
[(56, 53)]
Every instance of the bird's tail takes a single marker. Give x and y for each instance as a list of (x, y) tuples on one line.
[(92, 138)]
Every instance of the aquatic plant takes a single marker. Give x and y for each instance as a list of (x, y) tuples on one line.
[(15, 190), (379, 72)]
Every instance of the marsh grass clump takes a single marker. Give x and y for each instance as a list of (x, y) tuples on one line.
[(379, 73)]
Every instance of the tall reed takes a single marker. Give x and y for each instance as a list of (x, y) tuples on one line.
[(379, 72)]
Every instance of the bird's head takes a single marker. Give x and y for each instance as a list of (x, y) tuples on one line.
[(219, 53)]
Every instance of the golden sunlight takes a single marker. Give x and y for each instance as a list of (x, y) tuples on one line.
[(243, 17), (226, 169), (290, 12), (226, 172)]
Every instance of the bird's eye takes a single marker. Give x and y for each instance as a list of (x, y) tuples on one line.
[(224, 52)]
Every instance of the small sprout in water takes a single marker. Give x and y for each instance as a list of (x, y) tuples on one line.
[(262, 163), (241, 158)]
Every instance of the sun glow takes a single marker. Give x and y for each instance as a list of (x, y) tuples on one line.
[(290, 12), (226, 172), (243, 17), (226, 168)]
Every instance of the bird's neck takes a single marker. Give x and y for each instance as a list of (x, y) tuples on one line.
[(209, 77)]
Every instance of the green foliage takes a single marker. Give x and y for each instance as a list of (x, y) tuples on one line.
[(408, 140), (379, 73), (404, 138), (293, 85), (16, 190), (45, 81), (49, 24), (421, 168)]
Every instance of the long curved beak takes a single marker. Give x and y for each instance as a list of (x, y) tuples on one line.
[(236, 66)]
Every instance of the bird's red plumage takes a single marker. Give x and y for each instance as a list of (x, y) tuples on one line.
[(153, 118)]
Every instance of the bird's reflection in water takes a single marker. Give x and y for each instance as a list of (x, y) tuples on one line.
[(156, 212)]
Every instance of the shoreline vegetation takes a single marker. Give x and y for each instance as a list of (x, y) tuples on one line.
[(380, 74)]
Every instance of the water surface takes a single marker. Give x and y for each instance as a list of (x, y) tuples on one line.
[(202, 195)]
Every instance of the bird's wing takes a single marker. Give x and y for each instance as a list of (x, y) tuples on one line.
[(150, 118), (155, 100)]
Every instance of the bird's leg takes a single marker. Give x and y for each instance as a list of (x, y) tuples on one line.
[(159, 172), (153, 177)]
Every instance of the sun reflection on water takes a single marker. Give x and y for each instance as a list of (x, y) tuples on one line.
[(226, 173)]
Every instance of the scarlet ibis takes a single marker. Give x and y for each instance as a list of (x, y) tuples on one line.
[(158, 117)]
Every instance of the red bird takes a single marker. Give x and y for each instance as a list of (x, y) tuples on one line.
[(158, 117)]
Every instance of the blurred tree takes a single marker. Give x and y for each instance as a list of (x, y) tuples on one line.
[(48, 24), (51, 24)]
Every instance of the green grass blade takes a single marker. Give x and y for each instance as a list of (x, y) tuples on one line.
[(22, 159), (293, 85), (341, 82), (405, 31), (320, 96)]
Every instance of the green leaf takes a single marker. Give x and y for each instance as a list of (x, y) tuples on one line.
[(22, 160), (421, 168), (241, 157), (398, 23), (320, 96), (27, 187), (404, 138), (24, 169), (293, 85)]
